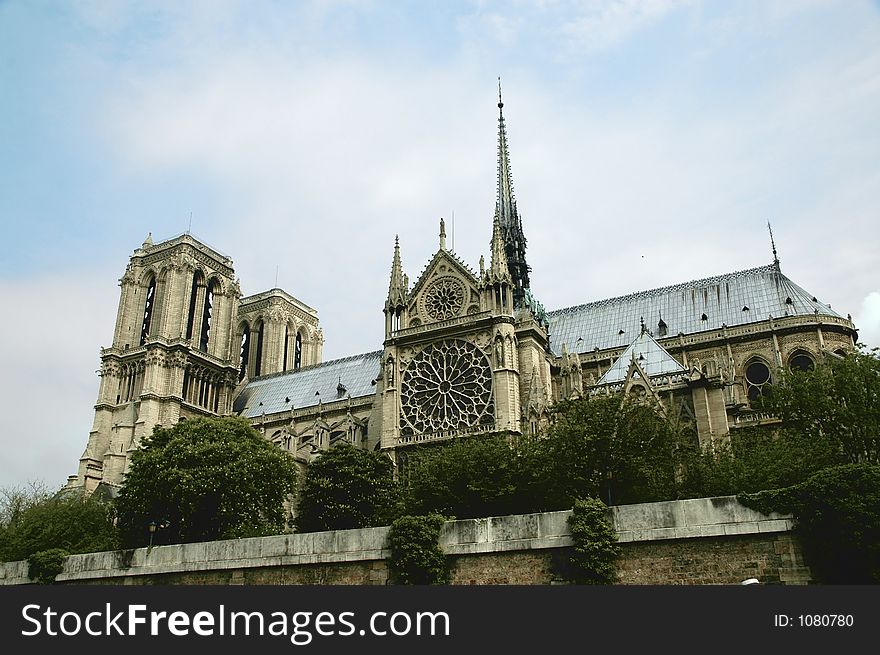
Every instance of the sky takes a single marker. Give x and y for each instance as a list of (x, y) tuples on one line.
[(651, 141)]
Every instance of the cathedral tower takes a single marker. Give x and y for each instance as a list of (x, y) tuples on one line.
[(173, 354)]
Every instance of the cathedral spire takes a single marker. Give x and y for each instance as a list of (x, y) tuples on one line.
[(507, 215), (773, 246), (397, 287)]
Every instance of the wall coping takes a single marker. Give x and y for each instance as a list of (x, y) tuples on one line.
[(678, 519)]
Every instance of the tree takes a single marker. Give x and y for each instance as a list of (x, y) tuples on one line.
[(836, 405), (33, 521), (837, 516), (347, 488), (204, 479), (609, 447), (593, 560), (465, 478)]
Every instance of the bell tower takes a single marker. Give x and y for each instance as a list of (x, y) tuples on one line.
[(172, 355)]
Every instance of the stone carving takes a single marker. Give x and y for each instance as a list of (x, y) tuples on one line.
[(444, 298), (446, 388)]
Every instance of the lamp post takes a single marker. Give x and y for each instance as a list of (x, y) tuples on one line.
[(151, 526)]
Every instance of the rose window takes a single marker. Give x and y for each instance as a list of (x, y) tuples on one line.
[(444, 299), (447, 387)]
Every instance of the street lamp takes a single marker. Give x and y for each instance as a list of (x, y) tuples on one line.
[(151, 526)]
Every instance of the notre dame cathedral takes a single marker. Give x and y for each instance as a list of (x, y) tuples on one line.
[(466, 352)]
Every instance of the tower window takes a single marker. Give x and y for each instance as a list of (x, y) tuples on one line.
[(297, 352), (258, 355), (148, 310), (286, 347), (245, 352), (206, 315), (193, 303)]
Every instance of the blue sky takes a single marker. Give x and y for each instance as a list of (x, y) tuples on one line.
[(651, 141)]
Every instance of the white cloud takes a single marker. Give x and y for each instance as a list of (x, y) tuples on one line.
[(868, 320), (600, 24), (48, 347)]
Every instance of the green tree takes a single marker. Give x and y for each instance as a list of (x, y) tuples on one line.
[(609, 447), (465, 478), (348, 488), (755, 458), (837, 516), (206, 478), (835, 406), (35, 522)]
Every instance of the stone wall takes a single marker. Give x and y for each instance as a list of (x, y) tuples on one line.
[(700, 541)]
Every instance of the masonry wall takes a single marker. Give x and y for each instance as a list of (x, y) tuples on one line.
[(700, 541)]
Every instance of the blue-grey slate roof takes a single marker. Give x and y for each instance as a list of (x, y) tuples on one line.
[(306, 387), (611, 323), (651, 356), (723, 299)]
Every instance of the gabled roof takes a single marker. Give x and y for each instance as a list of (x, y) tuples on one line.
[(733, 299), (651, 357), (306, 387)]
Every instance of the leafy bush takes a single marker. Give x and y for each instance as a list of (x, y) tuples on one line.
[(595, 543), (206, 478), (465, 478), (416, 558), (46, 564), (347, 488), (67, 521), (837, 515)]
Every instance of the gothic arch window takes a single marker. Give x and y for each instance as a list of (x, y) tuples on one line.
[(758, 379), (297, 351), (206, 314), (801, 361), (197, 283), (258, 351), (286, 347), (244, 352), (149, 304)]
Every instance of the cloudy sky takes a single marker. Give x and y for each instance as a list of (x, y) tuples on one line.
[(651, 142)]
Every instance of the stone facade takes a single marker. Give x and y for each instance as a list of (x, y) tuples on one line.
[(466, 351)]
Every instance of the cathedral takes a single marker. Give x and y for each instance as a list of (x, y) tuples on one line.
[(467, 351)]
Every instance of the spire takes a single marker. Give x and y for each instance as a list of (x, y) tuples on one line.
[(442, 234), (397, 288), (148, 241), (508, 217), (773, 246), (505, 203), (499, 270)]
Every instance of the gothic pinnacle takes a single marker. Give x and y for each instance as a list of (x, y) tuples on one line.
[(397, 285)]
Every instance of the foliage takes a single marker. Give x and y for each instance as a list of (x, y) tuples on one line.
[(416, 557), (595, 543), (465, 478), (44, 565), (348, 488), (836, 405), (837, 514), (754, 459), (34, 521), (621, 450), (204, 479)]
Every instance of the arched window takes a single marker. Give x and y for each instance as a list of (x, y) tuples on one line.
[(297, 352), (801, 361), (198, 281), (245, 352), (757, 379), (258, 355), (148, 309), (206, 315), (286, 344)]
